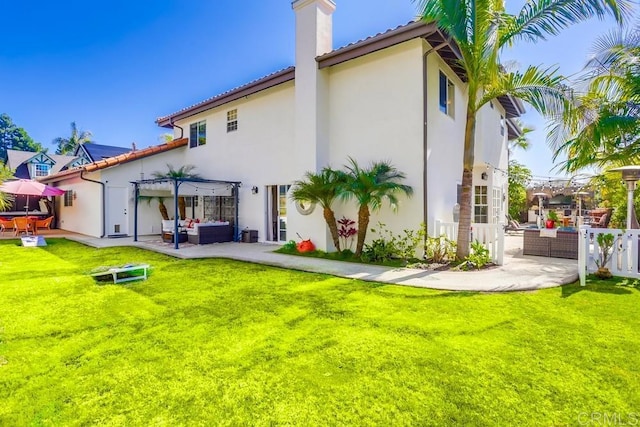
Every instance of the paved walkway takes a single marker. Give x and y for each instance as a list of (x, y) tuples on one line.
[(519, 272)]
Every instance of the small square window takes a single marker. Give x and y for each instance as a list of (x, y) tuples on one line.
[(232, 120), (447, 95), (198, 134)]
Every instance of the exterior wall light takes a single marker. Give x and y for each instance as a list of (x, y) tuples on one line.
[(254, 190)]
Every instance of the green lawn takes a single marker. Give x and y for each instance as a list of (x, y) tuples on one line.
[(223, 342)]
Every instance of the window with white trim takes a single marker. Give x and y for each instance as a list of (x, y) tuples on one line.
[(447, 95), (68, 198), (232, 120), (41, 169), (480, 205), (198, 134)]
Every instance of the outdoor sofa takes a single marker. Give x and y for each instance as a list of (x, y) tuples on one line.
[(200, 233), (564, 245)]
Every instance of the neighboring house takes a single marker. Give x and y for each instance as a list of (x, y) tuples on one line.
[(397, 96), (33, 165), (91, 152)]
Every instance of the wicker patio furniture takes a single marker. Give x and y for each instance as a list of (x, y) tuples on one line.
[(564, 245)]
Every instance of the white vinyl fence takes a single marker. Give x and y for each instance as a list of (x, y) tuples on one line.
[(490, 235), (624, 260)]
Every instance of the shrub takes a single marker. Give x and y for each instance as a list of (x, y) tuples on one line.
[(346, 232), (389, 246), (478, 258), (290, 246), (439, 249)]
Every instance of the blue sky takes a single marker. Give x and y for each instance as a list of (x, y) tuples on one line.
[(114, 66)]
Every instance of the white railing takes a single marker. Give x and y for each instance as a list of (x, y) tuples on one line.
[(624, 258), (490, 235)]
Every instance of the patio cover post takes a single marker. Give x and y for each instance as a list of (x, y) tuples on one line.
[(136, 194), (236, 198), (176, 186)]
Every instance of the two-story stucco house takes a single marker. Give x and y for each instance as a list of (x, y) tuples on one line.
[(396, 96)]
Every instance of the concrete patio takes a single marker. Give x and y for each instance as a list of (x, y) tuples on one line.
[(519, 272)]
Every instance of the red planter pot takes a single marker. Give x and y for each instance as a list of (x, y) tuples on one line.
[(306, 246), (551, 223)]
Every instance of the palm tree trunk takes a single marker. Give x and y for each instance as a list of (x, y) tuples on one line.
[(363, 224), (163, 209), (182, 207), (330, 218), (464, 225)]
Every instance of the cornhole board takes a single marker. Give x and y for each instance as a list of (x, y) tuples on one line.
[(134, 272), (32, 241)]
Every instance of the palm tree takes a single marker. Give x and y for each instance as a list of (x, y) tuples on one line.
[(322, 188), (184, 171), (603, 125), (370, 187), (5, 199), (69, 145), (480, 29)]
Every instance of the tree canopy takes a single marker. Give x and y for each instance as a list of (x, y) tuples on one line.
[(13, 137), (68, 145)]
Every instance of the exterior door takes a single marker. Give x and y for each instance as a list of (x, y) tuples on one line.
[(277, 212), (117, 204)]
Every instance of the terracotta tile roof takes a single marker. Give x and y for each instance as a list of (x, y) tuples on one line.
[(117, 160)]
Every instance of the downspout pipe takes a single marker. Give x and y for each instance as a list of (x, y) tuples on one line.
[(174, 125), (104, 201)]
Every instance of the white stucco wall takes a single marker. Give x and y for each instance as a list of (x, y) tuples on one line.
[(445, 142), (259, 153), (375, 114), (85, 215)]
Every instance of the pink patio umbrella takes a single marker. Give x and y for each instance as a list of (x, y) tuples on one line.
[(28, 187)]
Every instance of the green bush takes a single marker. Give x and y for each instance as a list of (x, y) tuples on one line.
[(393, 246), (478, 258), (290, 246), (439, 249)]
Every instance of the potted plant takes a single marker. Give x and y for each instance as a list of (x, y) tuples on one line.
[(552, 218)]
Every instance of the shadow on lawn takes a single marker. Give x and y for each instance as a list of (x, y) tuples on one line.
[(614, 286)]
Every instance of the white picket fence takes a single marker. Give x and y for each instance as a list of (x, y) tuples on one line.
[(490, 235), (624, 259)]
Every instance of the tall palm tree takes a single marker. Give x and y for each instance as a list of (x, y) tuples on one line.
[(68, 145), (370, 187), (603, 125), (481, 28), (184, 171), (322, 188)]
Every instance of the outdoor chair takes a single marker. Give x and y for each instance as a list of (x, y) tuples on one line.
[(22, 225), (514, 226), (43, 223), (603, 222), (5, 224)]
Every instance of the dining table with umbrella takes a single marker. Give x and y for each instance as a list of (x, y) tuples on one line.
[(29, 187)]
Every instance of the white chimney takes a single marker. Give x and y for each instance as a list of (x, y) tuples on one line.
[(313, 38)]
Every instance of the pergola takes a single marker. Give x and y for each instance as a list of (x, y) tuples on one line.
[(191, 188)]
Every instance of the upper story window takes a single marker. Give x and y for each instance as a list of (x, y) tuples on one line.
[(41, 169), (198, 134), (447, 95), (502, 125), (232, 120)]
